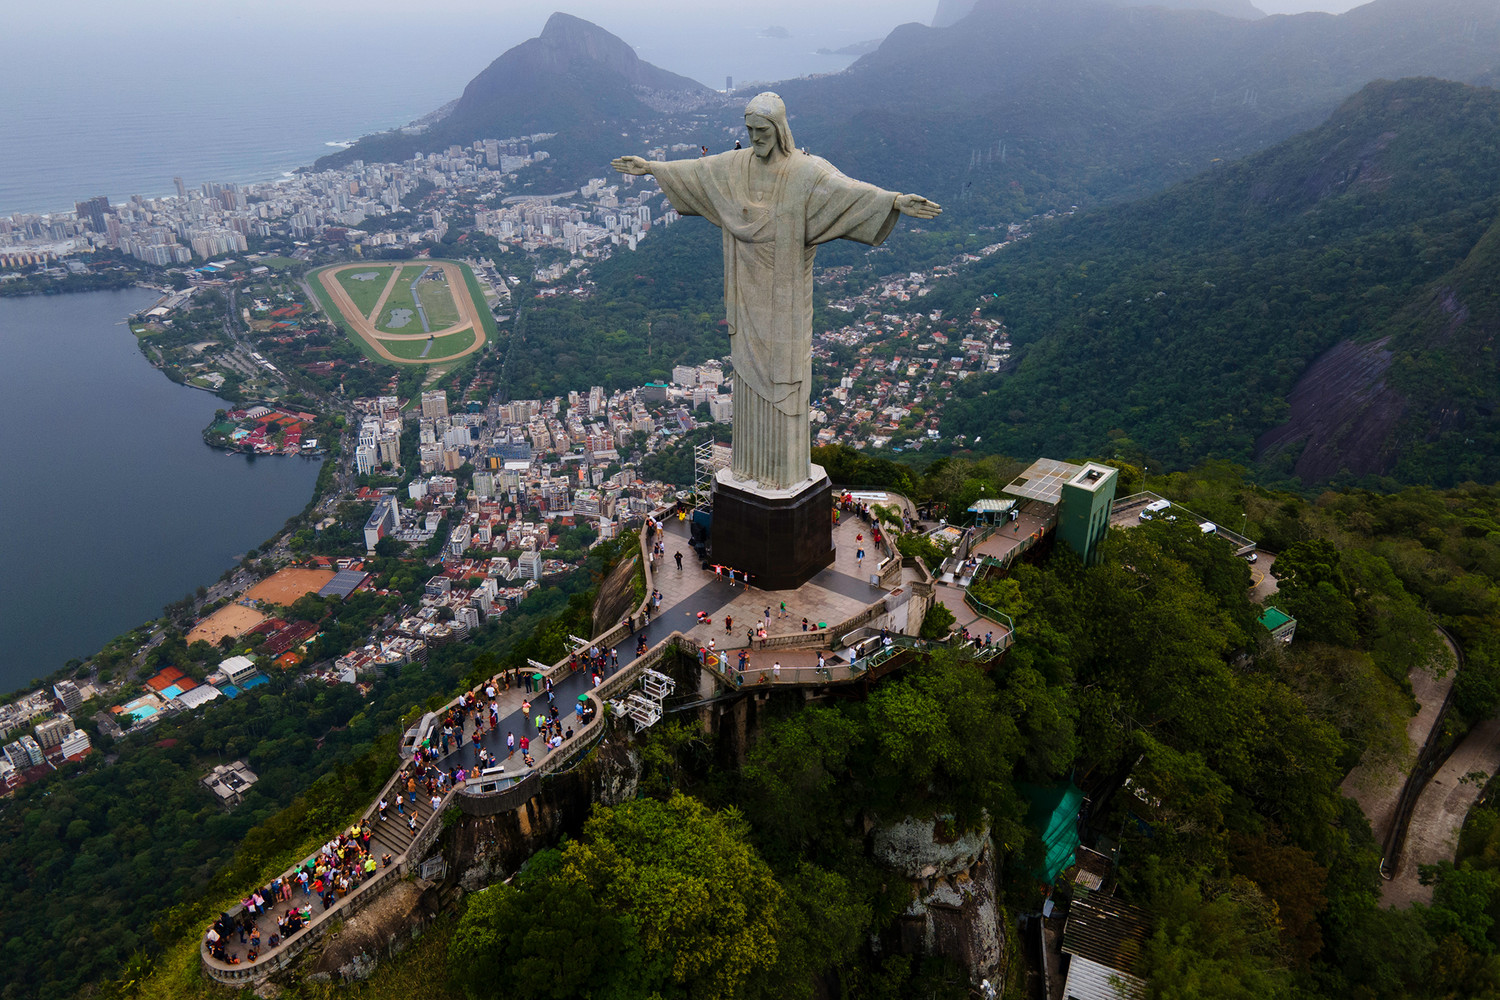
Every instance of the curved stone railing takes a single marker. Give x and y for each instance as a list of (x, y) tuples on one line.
[(272, 960), (487, 796), (275, 959)]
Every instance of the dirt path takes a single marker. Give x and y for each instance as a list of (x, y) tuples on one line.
[(364, 326), (1440, 813), (385, 293)]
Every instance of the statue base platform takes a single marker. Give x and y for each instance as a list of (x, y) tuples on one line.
[(782, 538)]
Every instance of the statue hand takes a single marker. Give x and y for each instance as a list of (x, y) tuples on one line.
[(631, 165), (917, 207)]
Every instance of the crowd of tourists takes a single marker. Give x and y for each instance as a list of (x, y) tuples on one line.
[(339, 867)]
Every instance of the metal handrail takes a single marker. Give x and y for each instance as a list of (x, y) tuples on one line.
[(985, 611)]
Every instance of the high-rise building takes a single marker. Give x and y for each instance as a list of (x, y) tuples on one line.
[(67, 695), (384, 519), (181, 188), (52, 732), (434, 404), (92, 213)]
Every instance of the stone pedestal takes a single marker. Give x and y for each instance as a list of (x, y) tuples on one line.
[(782, 538)]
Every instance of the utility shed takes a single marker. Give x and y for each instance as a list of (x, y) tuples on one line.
[(1280, 624), (1103, 940)]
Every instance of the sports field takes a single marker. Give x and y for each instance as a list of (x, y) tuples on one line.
[(231, 619), (398, 313), (378, 304), (366, 285), (285, 586), (437, 300)]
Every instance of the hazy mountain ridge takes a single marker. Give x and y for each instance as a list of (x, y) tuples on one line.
[(1175, 328), (1033, 104), (574, 78), (1022, 106)]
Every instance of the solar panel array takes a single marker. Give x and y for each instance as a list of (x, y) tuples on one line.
[(1043, 480)]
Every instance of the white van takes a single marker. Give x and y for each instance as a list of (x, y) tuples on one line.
[(1154, 508), (1208, 527)]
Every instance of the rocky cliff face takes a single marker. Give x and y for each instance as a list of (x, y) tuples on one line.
[(953, 910), (383, 928), (482, 850)]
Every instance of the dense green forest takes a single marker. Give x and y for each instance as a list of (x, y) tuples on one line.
[(1262, 878), (1173, 329)]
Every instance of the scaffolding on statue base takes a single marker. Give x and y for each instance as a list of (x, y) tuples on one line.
[(645, 706), (704, 469)]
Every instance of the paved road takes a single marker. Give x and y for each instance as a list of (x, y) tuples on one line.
[(1440, 812), (1262, 580)]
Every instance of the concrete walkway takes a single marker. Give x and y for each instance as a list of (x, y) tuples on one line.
[(1377, 786), (834, 595)]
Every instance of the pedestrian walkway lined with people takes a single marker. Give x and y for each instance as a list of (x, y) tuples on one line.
[(690, 599)]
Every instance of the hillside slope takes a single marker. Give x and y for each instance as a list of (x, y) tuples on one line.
[(1021, 106), (1026, 105), (1177, 328), (574, 78)]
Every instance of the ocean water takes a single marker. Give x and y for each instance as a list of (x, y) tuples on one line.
[(120, 102), (113, 504)]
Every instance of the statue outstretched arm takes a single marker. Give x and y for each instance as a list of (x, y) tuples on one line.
[(911, 204), (631, 165)]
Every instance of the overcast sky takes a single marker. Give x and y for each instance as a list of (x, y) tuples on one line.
[(433, 47)]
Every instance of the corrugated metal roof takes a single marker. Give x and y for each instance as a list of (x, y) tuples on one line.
[(1092, 981), (1274, 618), (343, 583), (1105, 930)]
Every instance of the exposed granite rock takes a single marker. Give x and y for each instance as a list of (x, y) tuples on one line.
[(954, 911), (385, 927)]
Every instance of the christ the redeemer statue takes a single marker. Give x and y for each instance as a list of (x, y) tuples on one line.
[(775, 204)]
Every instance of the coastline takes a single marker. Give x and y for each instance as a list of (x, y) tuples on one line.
[(16, 688)]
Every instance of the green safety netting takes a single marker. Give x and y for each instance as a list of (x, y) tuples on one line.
[(1053, 813)]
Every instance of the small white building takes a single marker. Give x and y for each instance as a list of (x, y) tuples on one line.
[(238, 669), (76, 744)]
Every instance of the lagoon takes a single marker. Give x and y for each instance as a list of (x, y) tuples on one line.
[(112, 504)]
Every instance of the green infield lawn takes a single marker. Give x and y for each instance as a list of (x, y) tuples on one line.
[(365, 293), (401, 303), (442, 347), (438, 302)]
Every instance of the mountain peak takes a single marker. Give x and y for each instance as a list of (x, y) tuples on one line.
[(586, 39), (572, 50)]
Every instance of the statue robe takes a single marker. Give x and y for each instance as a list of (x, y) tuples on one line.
[(768, 280)]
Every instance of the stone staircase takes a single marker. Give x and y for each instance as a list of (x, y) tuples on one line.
[(393, 835)]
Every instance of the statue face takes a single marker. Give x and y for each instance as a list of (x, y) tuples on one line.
[(762, 135)]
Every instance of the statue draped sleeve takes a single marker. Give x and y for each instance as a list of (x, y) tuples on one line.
[(769, 246)]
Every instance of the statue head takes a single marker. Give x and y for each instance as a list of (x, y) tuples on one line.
[(768, 109)]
